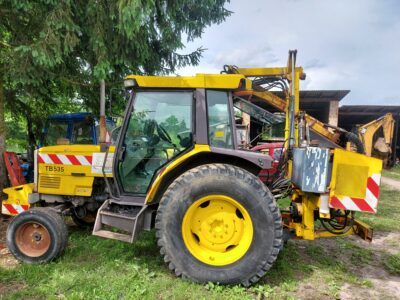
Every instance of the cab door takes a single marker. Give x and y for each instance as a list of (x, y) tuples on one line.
[(159, 128)]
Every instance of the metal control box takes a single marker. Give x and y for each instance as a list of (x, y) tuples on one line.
[(311, 169)]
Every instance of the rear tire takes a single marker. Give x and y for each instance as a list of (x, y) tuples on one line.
[(194, 222), (38, 235)]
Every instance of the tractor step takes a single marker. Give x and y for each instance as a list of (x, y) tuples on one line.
[(113, 235), (119, 222)]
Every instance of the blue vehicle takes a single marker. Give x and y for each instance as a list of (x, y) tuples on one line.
[(73, 128)]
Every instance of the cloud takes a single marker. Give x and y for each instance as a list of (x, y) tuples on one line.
[(314, 64), (341, 44), (245, 57)]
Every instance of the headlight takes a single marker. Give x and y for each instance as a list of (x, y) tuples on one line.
[(129, 83)]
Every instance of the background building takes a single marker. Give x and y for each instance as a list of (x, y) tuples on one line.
[(325, 106)]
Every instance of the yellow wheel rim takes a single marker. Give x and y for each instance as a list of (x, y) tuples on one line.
[(217, 230)]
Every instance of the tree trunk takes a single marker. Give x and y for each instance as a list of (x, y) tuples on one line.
[(3, 172), (31, 138)]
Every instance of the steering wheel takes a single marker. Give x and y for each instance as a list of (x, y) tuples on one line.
[(163, 134)]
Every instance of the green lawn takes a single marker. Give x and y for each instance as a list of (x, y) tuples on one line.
[(392, 173), (95, 268)]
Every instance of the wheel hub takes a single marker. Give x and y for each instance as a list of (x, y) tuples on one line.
[(32, 239), (217, 230), (36, 236)]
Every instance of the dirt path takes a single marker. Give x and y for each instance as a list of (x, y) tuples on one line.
[(391, 182), (3, 228), (6, 259)]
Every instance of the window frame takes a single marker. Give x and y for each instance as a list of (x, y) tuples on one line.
[(120, 141), (231, 118)]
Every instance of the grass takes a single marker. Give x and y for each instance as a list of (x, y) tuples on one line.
[(358, 256), (387, 216), (95, 268), (393, 172), (392, 263)]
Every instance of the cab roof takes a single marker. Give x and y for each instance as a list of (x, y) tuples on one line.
[(212, 81), (80, 116), (70, 116)]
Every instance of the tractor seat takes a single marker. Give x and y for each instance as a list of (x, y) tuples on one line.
[(62, 141)]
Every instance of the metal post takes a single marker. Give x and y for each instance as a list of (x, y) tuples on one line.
[(103, 129), (292, 100), (395, 139)]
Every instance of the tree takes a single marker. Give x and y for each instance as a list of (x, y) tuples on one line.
[(50, 49)]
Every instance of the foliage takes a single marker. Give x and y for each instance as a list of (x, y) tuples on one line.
[(174, 127), (54, 53), (16, 128)]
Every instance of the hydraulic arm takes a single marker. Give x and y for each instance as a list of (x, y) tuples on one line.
[(366, 132), (274, 77)]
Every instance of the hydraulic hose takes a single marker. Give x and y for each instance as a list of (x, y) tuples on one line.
[(351, 137)]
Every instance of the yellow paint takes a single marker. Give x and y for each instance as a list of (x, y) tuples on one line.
[(210, 81), (296, 105), (327, 234), (350, 172), (306, 229), (69, 180), (219, 134), (213, 232), (255, 72), (18, 194), (198, 148), (66, 170), (65, 185)]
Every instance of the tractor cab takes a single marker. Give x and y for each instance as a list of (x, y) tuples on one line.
[(165, 124), (72, 128)]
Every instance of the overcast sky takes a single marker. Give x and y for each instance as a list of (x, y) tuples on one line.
[(341, 44)]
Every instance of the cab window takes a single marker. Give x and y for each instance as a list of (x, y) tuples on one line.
[(219, 119), (82, 132), (56, 129), (159, 128)]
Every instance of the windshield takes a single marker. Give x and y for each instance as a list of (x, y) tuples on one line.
[(56, 129), (82, 132), (159, 128)]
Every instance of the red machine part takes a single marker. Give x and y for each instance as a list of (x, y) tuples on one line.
[(275, 151), (14, 169)]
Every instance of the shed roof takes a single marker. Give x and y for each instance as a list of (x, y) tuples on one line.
[(368, 109), (320, 95), (350, 115)]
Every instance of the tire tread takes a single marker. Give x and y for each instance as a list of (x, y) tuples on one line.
[(222, 169)]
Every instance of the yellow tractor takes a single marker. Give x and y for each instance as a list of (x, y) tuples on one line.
[(177, 167)]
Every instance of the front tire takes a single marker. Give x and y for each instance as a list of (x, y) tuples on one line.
[(219, 223), (38, 235)]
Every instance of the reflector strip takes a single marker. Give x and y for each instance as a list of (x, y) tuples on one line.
[(368, 204), (61, 159), (13, 209)]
